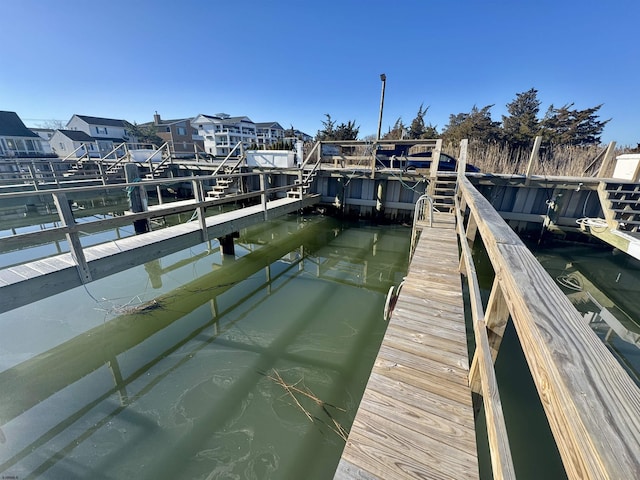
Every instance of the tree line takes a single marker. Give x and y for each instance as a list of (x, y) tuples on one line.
[(564, 125)]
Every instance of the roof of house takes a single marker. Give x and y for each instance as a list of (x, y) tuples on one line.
[(12, 126), (109, 122), (224, 119), (77, 135), (166, 122), (269, 125), (237, 119)]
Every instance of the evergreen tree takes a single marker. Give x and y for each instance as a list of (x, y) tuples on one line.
[(397, 132), (521, 126), (328, 132), (347, 131), (143, 133), (417, 128), (565, 125), (476, 124)]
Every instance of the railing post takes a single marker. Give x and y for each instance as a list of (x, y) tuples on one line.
[(533, 158), (101, 170), (137, 198), (263, 194), (32, 172), (606, 161), (300, 181), (496, 319), (433, 168), (198, 195), (462, 160), (66, 217)]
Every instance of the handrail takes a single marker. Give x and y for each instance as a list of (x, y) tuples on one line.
[(152, 170), (115, 149), (500, 452), (227, 158), (72, 228), (112, 166), (591, 403), (86, 153), (310, 154), (418, 215)]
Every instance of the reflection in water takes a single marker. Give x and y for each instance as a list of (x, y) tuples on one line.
[(603, 284), (165, 371)]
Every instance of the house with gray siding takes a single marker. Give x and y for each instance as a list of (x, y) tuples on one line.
[(16, 140), (107, 132)]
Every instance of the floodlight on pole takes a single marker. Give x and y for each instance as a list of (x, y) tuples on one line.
[(383, 77)]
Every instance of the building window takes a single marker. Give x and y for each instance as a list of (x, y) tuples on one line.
[(62, 146), (182, 131)]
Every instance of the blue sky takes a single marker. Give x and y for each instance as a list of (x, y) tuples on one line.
[(294, 61)]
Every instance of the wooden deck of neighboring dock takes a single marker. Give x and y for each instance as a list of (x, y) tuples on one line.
[(416, 417), (28, 282)]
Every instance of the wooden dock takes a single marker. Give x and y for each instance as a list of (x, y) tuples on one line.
[(29, 282), (416, 419)]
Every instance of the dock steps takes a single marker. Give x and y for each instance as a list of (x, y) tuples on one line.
[(621, 205)]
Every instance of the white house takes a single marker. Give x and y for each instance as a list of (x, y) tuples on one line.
[(107, 132), (45, 135), (16, 140), (268, 133), (221, 132), (74, 144)]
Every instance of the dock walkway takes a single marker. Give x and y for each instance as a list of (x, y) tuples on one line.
[(416, 418), (28, 282)]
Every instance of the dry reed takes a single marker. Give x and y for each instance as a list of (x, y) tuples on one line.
[(292, 390), (560, 160)]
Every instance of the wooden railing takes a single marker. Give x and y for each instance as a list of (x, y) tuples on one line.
[(591, 403), (226, 159), (71, 230)]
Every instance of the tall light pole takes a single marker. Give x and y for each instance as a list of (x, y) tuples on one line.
[(383, 77)]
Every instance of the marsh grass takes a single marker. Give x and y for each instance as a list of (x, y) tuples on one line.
[(560, 160)]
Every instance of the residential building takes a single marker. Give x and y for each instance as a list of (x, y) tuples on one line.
[(268, 133), (74, 144), (179, 134), (297, 135), (45, 135), (107, 132), (16, 140), (221, 132)]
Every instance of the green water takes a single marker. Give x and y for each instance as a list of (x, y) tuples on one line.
[(201, 366)]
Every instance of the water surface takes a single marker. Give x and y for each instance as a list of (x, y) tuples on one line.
[(199, 365)]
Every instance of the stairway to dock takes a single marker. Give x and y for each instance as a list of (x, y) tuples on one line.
[(416, 418), (620, 228)]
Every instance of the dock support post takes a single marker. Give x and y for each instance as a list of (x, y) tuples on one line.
[(66, 216), (137, 197), (226, 244)]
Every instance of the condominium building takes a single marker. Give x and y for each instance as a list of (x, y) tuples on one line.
[(221, 133)]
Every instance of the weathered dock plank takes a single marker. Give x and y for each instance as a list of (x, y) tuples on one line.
[(415, 419)]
